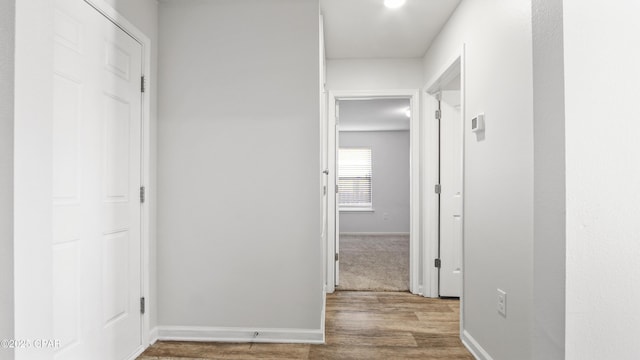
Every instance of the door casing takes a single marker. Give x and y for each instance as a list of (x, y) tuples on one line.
[(431, 160), (414, 154)]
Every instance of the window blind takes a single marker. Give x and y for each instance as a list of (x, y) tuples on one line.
[(354, 177)]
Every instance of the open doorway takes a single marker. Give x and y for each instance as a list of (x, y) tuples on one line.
[(373, 199), (444, 158), (380, 229)]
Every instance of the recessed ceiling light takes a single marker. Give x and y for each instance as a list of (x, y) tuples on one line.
[(394, 4)]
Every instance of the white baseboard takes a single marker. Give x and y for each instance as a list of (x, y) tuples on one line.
[(322, 316), (223, 334), (474, 347), (375, 233), (153, 336), (137, 353)]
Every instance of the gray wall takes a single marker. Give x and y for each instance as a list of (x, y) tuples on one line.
[(239, 220), (373, 74), (390, 167), (7, 33), (498, 177), (549, 182)]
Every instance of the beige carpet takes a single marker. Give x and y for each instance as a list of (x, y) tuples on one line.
[(374, 262)]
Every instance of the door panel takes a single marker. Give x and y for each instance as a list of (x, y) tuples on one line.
[(451, 196), (97, 176), (337, 195)]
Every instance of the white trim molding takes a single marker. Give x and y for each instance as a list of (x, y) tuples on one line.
[(431, 158), (137, 353), (153, 336), (323, 315), (431, 164), (233, 334), (415, 266), (474, 347)]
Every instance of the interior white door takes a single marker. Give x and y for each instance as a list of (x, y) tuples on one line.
[(451, 194), (97, 177), (324, 138), (337, 196)]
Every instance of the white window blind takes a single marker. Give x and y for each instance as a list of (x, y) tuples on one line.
[(354, 177)]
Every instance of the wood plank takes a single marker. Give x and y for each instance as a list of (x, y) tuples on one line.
[(370, 338), (359, 325), (203, 350), (385, 353)]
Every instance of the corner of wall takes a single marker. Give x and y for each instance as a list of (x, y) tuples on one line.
[(7, 53), (549, 243)]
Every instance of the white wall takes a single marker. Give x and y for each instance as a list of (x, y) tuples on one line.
[(390, 168), (549, 182), (603, 174), (33, 174), (239, 218), (498, 177), (374, 74), (7, 33)]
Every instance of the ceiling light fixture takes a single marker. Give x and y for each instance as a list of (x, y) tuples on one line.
[(394, 4)]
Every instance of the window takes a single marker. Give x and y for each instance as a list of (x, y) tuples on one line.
[(354, 178)]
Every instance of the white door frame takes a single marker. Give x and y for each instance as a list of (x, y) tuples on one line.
[(431, 154), (414, 187), (145, 220)]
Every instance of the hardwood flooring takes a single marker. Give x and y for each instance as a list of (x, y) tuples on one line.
[(359, 325)]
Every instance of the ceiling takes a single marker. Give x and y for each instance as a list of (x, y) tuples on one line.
[(374, 115), (367, 29)]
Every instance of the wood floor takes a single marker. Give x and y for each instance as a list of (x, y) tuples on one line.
[(359, 325)]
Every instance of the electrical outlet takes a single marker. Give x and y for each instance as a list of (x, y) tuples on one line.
[(502, 303)]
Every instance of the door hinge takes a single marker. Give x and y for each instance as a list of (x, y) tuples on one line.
[(336, 189), (142, 194), (324, 190), (337, 257), (142, 305), (142, 84), (438, 189), (438, 114), (437, 263)]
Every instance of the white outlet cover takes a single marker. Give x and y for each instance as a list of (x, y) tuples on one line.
[(502, 302)]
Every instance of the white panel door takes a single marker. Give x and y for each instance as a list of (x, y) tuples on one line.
[(451, 196), (337, 196), (325, 173), (97, 176)]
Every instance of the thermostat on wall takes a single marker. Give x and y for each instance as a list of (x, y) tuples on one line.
[(477, 123)]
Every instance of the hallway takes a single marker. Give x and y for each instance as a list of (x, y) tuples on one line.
[(359, 325)]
